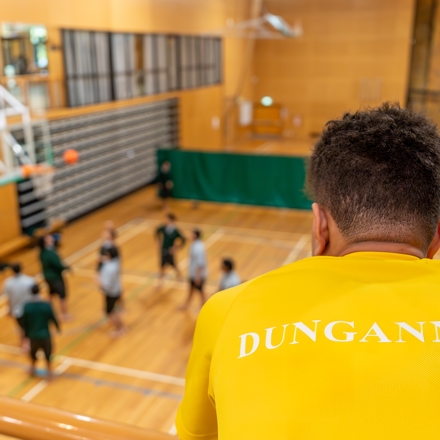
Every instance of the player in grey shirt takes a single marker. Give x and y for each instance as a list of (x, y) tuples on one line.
[(198, 268), (18, 291), (110, 281), (229, 278)]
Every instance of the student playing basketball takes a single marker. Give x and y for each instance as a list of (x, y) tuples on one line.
[(165, 183), (53, 269), (37, 316), (17, 289), (167, 236), (346, 344), (110, 281), (198, 268)]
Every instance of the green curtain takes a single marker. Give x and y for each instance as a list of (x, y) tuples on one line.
[(238, 178)]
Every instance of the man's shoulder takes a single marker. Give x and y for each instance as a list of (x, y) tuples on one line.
[(9, 281), (219, 304), (34, 305), (28, 279)]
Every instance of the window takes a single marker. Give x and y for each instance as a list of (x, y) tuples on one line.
[(87, 65), (105, 66)]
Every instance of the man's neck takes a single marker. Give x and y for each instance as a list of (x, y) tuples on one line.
[(377, 246)]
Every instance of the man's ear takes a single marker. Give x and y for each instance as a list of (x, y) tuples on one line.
[(435, 243), (320, 231)]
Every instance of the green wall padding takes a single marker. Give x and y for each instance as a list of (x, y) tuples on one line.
[(238, 178)]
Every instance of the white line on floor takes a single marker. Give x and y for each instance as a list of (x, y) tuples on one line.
[(10, 349), (124, 371), (300, 245), (281, 235), (261, 240), (99, 366), (265, 146), (133, 232), (172, 430), (40, 386), (92, 247)]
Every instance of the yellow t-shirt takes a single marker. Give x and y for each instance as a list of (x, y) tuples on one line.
[(325, 348)]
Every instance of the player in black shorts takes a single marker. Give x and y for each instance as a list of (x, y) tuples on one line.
[(167, 236), (37, 315)]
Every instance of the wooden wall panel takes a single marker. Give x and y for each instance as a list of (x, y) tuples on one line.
[(9, 214), (352, 54), (197, 110)]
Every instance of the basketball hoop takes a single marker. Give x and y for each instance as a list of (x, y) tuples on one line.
[(42, 178)]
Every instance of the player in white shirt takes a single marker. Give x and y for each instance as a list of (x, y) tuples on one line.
[(17, 289), (198, 268), (229, 278)]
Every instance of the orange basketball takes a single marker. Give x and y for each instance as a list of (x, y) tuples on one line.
[(26, 170), (71, 156)]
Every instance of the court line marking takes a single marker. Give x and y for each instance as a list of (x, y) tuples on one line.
[(133, 232), (107, 368), (95, 244), (40, 386), (300, 245), (125, 371), (173, 430), (265, 146), (138, 225), (98, 382)]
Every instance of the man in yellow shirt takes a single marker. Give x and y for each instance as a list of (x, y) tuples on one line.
[(346, 344)]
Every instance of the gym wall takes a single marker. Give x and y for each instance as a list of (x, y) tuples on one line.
[(353, 54)]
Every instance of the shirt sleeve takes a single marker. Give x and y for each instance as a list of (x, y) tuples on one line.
[(7, 289), (56, 263), (181, 237), (197, 418)]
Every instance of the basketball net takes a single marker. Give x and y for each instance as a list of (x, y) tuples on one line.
[(42, 179)]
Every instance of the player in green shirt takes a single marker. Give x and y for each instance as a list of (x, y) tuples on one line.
[(167, 235), (37, 315), (53, 269)]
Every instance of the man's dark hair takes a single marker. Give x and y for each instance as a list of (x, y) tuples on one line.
[(228, 263), (171, 217), (377, 172), (197, 233), (111, 252), (16, 268), (35, 289), (41, 243)]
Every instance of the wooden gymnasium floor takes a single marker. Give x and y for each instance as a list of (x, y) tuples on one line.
[(138, 379)]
